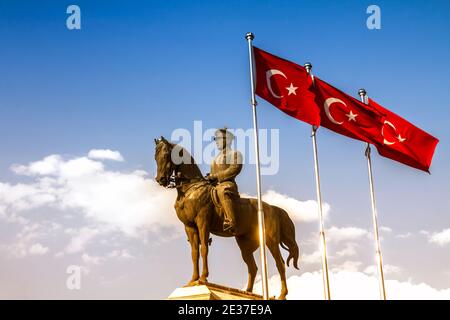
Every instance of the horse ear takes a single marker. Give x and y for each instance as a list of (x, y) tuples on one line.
[(156, 141), (163, 139)]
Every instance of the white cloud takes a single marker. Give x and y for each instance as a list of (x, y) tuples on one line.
[(348, 251), (38, 249), (387, 269), (404, 235), (351, 266), (14, 199), (80, 238), (352, 285), (25, 242), (386, 229), (336, 234), (105, 154), (441, 238), (91, 260), (301, 211), (47, 166), (129, 202), (101, 203), (311, 258), (121, 254)]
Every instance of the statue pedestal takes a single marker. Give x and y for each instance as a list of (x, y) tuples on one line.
[(211, 291)]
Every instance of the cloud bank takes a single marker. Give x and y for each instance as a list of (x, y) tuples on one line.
[(83, 204), (352, 285), (105, 200), (127, 201), (299, 211)]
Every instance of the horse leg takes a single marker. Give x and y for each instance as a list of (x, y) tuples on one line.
[(192, 234), (275, 251), (247, 248), (204, 239)]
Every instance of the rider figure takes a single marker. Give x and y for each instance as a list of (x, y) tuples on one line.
[(225, 167)]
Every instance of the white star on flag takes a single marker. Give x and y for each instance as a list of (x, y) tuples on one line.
[(291, 89), (400, 138), (351, 116)]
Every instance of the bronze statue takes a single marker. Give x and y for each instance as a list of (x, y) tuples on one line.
[(226, 166), (196, 208)]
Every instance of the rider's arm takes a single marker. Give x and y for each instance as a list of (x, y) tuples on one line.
[(233, 170)]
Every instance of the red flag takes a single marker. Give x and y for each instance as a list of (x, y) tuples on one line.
[(346, 115), (404, 142), (286, 85)]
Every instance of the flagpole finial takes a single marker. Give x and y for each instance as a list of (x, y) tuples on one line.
[(362, 92), (249, 36), (308, 66)]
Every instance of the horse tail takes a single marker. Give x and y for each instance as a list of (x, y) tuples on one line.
[(288, 242)]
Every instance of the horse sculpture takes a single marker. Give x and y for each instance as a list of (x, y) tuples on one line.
[(196, 209)]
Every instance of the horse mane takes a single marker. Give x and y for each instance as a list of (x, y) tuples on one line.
[(192, 164), (191, 168)]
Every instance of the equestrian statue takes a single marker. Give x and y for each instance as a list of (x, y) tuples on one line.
[(212, 205)]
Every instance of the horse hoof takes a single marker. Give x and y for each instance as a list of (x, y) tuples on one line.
[(203, 279), (282, 297), (190, 283)]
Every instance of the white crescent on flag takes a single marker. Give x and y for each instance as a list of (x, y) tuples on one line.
[(269, 74), (386, 141), (327, 106), (390, 124)]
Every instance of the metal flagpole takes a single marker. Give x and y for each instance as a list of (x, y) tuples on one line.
[(262, 234), (326, 280), (362, 94)]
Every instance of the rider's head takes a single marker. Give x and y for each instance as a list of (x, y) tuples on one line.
[(223, 138)]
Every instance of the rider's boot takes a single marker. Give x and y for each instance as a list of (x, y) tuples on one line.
[(229, 224)]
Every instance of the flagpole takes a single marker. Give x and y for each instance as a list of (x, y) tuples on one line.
[(262, 234), (326, 280), (362, 93)]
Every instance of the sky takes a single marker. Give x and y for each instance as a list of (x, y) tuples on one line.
[(79, 110)]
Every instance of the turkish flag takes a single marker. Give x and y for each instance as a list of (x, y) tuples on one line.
[(404, 142), (285, 85), (346, 115)]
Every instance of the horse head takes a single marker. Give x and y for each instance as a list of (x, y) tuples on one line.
[(164, 164), (174, 163)]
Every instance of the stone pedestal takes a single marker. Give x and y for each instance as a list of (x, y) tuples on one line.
[(211, 291)]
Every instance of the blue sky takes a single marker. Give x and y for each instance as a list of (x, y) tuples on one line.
[(140, 69)]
